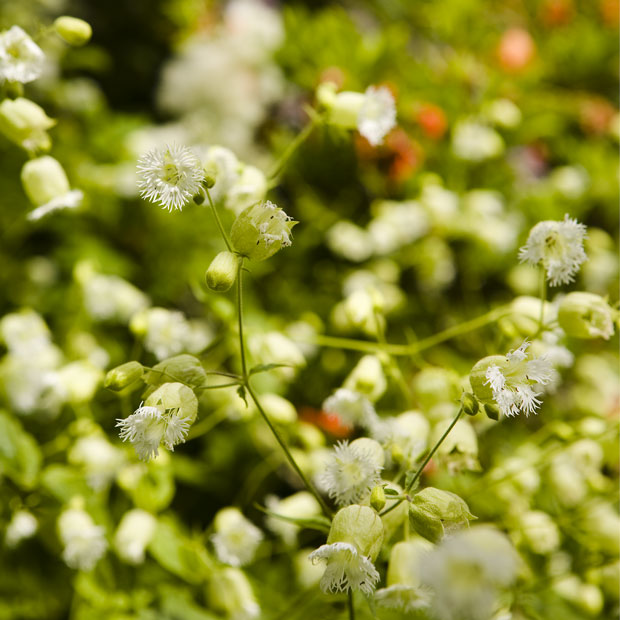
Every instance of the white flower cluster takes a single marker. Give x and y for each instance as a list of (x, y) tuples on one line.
[(147, 427), (517, 384), (558, 247)]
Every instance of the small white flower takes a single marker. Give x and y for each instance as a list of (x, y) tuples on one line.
[(236, 539), (351, 473), (170, 176), (22, 525), (84, 541), (473, 141), (352, 408), (148, 427), (346, 568), (134, 533), (558, 247), (519, 382), (377, 115), (21, 59), (99, 458)]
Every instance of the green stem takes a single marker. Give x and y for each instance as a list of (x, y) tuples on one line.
[(351, 607), (301, 137), (205, 425), (415, 347), (246, 384), (425, 462), (287, 452), (218, 221)]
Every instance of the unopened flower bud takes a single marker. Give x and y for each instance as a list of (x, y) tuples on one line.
[(492, 411), (261, 230), (377, 498), (585, 315), (469, 404), (73, 31), (222, 271), (208, 181), (25, 123), (433, 512), (44, 179), (123, 376)]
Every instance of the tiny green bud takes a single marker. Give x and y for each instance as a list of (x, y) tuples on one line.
[(198, 199), (433, 510), (25, 123), (261, 230), (208, 181), (469, 404), (377, 498), (492, 411), (73, 31), (585, 315), (222, 271), (174, 397), (359, 526), (123, 376)]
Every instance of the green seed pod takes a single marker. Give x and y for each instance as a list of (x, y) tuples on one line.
[(123, 376), (261, 230), (222, 271), (433, 510), (469, 404), (377, 498), (359, 526), (73, 31), (585, 315)]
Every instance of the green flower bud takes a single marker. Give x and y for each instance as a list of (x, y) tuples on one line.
[(123, 376), (433, 512), (73, 31), (208, 181), (585, 315), (359, 526), (174, 397), (25, 123), (261, 230), (44, 179), (393, 520), (469, 404), (230, 592), (478, 376), (492, 411), (377, 498), (222, 271)]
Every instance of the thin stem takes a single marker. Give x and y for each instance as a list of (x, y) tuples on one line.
[(300, 138), (207, 424), (351, 607), (425, 462), (244, 369), (415, 347), (287, 452), (218, 221)]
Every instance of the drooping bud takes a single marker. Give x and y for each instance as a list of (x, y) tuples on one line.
[(469, 404), (433, 512), (73, 31), (585, 315), (377, 498), (261, 230), (123, 376), (222, 271)]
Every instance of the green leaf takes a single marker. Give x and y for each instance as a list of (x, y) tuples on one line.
[(266, 367), (389, 491), (320, 523), (20, 457)]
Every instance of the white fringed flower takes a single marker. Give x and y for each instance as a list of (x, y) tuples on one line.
[(377, 115), (558, 247), (84, 541), (170, 176), (22, 525), (21, 59), (346, 568), (517, 383), (352, 408), (148, 427), (236, 539), (351, 472)]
